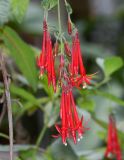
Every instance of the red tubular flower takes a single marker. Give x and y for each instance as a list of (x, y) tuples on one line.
[(76, 68), (41, 61), (69, 25), (46, 61), (56, 49), (50, 64), (67, 49), (113, 146), (71, 124)]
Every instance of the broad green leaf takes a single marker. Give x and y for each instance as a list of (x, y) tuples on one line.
[(19, 9), (49, 4), (23, 55), (112, 64), (4, 11)]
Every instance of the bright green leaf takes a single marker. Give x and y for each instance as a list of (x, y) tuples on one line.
[(23, 55), (19, 9), (112, 64)]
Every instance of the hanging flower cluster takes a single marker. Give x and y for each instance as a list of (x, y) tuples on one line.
[(113, 147), (69, 74)]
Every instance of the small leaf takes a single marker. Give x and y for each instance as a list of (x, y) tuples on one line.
[(49, 4), (4, 136), (23, 55), (68, 8), (112, 64), (4, 11), (19, 9)]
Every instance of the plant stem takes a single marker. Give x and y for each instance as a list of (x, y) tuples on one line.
[(102, 82), (8, 102), (60, 26), (41, 135)]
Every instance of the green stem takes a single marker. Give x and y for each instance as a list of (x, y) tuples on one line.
[(102, 82), (41, 135), (60, 26)]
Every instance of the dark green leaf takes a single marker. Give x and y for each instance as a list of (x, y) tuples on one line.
[(23, 55)]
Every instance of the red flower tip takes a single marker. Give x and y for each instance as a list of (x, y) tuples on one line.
[(113, 146)]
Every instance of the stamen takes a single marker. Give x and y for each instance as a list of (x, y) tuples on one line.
[(65, 144)]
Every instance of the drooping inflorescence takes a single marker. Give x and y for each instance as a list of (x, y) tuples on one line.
[(69, 74)]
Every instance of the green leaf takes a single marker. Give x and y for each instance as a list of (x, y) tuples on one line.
[(4, 136), (110, 96), (19, 9), (27, 154), (112, 64), (23, 55), (48, 90), (23, 94), (49, 4), (68, 8), (4, 11), (59, 152), (87, 104)]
